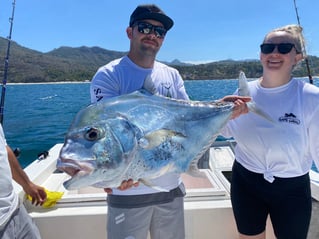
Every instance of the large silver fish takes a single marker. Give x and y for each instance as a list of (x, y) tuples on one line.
[(139, 136)]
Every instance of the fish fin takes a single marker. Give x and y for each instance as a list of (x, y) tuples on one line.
[(151, 185), (255, 109), (193, 169), (155, 138), (243, 90)]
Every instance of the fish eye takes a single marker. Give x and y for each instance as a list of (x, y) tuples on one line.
[(92, 134)]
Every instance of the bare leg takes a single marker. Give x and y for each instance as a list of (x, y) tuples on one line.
[(259, 236)]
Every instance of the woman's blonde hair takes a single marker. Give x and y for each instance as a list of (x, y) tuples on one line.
[(296, 32)]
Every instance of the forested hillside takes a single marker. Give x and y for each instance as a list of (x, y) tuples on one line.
[(80, 64)]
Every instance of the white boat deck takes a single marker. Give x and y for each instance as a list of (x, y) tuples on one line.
[(82, 213)]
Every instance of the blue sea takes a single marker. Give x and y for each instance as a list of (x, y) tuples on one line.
[(37, 116)]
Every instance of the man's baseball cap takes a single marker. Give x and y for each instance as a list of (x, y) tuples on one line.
[(153, 12)]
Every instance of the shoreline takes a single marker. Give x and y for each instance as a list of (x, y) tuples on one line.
[(50, 83), (86, 82)]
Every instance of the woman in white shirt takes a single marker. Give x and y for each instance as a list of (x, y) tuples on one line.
[(270, 173)]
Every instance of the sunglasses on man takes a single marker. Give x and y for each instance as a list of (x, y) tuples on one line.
[(147, 28), (283, 48)]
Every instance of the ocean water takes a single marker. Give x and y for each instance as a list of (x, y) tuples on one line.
[(37, 116)]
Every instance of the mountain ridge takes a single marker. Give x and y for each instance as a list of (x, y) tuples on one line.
[(78, 64)]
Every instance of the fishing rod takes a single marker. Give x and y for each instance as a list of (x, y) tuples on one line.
[(6, 65), (5, 74), (304, 47)]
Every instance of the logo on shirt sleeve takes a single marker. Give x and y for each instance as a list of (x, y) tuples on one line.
[(98, 94)]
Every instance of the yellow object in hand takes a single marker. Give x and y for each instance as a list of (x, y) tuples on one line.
[(52, 198)]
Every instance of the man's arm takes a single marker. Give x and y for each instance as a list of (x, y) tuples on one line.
[(37, 193)]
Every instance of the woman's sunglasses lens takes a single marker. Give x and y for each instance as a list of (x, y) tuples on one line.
[(285, 48), (267, 48)]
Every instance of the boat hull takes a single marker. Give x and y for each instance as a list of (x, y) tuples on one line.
[(82, 213)]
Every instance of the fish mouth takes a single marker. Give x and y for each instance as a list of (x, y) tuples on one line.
[(74, 168)]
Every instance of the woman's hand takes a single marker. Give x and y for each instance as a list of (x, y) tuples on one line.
[(240, 104)]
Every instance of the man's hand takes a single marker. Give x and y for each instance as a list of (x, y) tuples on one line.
[(126, 184), (37, 193), (240, 104)]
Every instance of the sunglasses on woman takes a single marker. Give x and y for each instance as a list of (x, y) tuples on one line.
[(147, 28), (283, 48)]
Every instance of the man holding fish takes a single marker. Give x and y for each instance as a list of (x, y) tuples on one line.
[(135, 209)]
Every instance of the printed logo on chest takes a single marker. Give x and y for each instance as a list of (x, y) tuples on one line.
[(289, 118)]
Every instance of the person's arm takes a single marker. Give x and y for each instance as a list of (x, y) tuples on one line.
[(313, 131), (103, 85), (37, 193), (181, 91)]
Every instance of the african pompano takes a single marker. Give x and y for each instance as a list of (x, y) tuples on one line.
[(139, 136)]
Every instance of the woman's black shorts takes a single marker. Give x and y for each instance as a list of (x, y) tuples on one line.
[(286, 200)]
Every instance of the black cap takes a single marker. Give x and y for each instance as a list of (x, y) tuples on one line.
[(151, 12)]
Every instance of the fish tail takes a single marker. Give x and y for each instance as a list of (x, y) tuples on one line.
[(243, 90), (193, 169)]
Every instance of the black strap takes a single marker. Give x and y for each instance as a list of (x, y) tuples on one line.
[(136, 201)]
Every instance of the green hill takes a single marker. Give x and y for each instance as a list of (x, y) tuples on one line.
[(62, 64), (80, 64)]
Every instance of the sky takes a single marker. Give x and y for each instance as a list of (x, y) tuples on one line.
[(204, 30)]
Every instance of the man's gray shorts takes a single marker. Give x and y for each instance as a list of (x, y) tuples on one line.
[(20, 226), (164, 221)]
